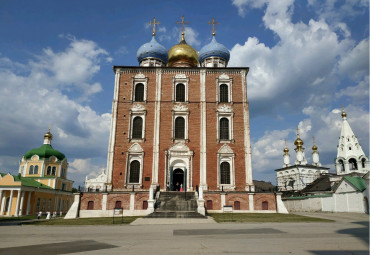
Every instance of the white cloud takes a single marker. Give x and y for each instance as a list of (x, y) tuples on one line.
[(35, 97)]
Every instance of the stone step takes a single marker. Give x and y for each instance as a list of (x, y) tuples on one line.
[(176, 214)]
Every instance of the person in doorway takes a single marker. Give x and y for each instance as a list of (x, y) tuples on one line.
[(177, 186), (181, 189)]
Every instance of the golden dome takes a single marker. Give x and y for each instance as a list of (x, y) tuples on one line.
[(182, 55), (344, 114), (48, 135), (286, 149), (314, 148)]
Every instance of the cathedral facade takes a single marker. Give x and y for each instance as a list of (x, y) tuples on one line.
[(180, 122)]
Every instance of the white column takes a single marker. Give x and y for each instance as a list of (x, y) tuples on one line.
[(251, 202), (1, 202), (112, 136), (247, 137), (104, 202), (157, 119), (203, 131), (132, 201), (21, 205), (28, 203), (10, 202), (223, 200), (17, 203)]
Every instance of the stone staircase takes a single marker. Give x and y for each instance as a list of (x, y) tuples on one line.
[(175, 205)]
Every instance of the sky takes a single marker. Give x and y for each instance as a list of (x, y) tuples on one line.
[(307, 59)]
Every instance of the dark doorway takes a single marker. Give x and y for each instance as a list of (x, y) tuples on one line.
[(178, 179)]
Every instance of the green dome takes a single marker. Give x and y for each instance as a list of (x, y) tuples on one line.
[(45, 151)]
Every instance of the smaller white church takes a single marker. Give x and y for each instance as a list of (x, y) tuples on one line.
[(297, 176)]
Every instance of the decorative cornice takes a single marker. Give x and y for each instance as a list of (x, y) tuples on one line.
[(224, 108), (138, 108), (180, 108), (135, 148)]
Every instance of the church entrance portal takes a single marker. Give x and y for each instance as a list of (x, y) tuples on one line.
[(178, 179)]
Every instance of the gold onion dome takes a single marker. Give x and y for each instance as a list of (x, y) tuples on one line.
[(314, 148), (298, 142), (48, 135), (182, 55), (286, 150), (344, 114)]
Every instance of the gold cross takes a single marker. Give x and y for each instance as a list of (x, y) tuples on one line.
[(154, 23), (285, 142), (183, 23), (213, 23), (297, 132), (49, 127), (313, 140)]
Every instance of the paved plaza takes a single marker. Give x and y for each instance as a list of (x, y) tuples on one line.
[(348, 235)]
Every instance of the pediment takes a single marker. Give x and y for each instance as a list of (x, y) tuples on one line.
[(180, 147), (180, 108), (180, 76), (225, 149), (135, 148), (138, 108), (140, 76), (224, 76)]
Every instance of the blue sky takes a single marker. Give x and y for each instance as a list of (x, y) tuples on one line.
[(306, 59)]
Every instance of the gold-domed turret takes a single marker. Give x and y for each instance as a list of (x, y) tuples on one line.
[(286, 150), (298, 142), (182, 55), (48, 135), (314, 147), (344, 114)]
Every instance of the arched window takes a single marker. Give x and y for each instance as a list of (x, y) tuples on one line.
[(363, 161), (90, 205), (137, 128), (224, 93), (139, 92), (353, 164), (265, 205), (341, 165), (180, 92), (36, 170), (48, 171), (31, 170), (179, 128), (236, 205), (53, 172), (134, 171), (225, 173), (224, 129)]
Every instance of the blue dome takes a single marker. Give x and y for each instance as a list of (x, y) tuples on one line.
[(152, 49), (214, 49)]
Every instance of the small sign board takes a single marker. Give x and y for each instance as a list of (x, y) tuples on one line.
[(228, 208), (118, 211)]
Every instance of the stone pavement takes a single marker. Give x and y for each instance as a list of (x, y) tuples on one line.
[(172, 221), (349, 235)]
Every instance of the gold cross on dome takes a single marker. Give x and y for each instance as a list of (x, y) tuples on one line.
[(154, 23), (313, 138), (49, 127), (297, 132), (182, 22), (213, 23)]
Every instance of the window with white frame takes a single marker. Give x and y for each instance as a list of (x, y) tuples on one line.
[(180, 88), (224, 89), (139, 88), (134, 170), (226, 170), (180, 115), (137, 123), (225, 124)]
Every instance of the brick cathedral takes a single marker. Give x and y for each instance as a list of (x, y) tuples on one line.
[(180, 122)]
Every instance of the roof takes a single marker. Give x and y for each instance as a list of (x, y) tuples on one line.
[(303, 166), (45, 151), (214, 49), (322, 183), (28, 182), (357, 182)]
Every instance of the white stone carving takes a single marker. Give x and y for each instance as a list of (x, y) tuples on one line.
[(180, 108), (224, 108), (138, 108), (135, 148), (140, 76), (224, 76), (225, 149), (180, 76), (179, 147)]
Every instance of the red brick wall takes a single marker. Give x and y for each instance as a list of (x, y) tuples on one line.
[(243, 198), (123, 117), (216, 201), (96, 197), (261, 197), (124, 198)]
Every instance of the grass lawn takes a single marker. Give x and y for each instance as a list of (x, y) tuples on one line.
[(86, 221), (263, 217), (28, 217)]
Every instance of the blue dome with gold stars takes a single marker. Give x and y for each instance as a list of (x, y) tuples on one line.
[(152, 49), (214, 49)]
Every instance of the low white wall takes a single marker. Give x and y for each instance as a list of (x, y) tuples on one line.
[(346, 202), (109, 213)]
